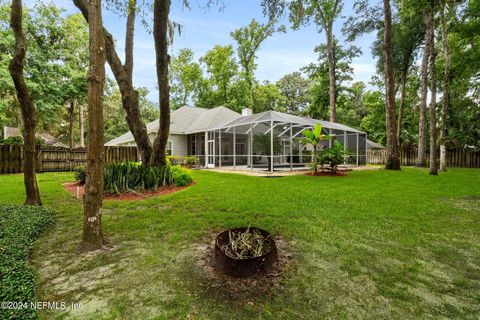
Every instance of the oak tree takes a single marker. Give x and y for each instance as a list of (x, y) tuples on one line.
[(27, 107), (92, 237)]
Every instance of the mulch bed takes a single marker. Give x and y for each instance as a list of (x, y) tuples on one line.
[(78, 190), (328, 174)]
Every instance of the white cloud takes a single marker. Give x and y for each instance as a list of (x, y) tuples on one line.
[(363, 71)]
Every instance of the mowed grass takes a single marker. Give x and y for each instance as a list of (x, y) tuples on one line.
[(372, 245)]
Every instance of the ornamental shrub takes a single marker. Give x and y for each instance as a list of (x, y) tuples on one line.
[(127, 176)]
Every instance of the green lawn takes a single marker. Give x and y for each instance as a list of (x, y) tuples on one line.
[(375, 244)]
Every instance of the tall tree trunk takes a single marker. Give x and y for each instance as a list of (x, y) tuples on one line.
[(332, 89), (123, 76), (402, 104), (433, 102), (422, 120), (393, 158), (71, 119), (81, 126), (161, 10), (446, 92), (29, 113), (92, 238)]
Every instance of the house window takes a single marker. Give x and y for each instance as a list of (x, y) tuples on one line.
[(169, 148)]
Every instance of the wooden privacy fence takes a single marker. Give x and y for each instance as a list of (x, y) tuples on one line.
[(459, 157), (59, 159)]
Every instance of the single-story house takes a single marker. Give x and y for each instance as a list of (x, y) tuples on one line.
[(223, 137)]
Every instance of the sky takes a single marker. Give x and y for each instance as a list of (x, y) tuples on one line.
[(204, 28)]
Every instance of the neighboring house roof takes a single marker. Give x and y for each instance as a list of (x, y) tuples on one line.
[(374, 145), (186, 120), (48, 138), (11, 132), (51, 140), (287, 118)]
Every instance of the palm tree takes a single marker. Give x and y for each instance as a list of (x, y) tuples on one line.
[(314, 137)]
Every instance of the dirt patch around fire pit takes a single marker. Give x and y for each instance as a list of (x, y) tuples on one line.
[(78, 191), (242, 290)]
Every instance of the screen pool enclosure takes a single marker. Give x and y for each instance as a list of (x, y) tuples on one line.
[(270, 141)]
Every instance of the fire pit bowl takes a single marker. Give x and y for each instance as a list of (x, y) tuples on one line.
[(244, 266)]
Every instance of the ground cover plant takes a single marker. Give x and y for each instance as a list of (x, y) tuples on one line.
[(374, 244), (20, 226)]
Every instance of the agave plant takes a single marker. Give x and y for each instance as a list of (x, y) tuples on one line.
[(314, 137)]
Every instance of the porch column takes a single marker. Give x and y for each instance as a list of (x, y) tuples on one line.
[(357, 150), (234, 148), (366, 149), (330, 140), (291, 148), (206, 149), (220, 147), (251, 147), (344, 146), (271, 146)]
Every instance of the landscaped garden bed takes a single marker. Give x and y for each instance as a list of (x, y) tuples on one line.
[(338, 173), (132, 180), (78, 190)]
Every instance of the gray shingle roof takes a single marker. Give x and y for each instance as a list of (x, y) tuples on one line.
[(186, 120)]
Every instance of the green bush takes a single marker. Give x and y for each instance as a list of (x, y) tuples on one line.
[(174, 160), (191, 161), (80, 174), (333, 156), (125, 176), (18, 140), (20, 226), (181, 176)]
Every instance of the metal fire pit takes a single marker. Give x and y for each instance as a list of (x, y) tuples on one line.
[(243, 267)]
